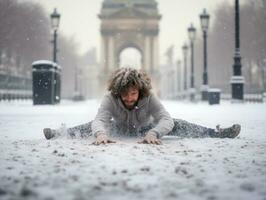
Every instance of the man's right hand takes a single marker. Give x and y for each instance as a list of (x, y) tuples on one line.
[(102, 139)]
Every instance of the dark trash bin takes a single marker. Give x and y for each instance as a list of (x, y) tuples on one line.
[(43, 82), (214, 96)]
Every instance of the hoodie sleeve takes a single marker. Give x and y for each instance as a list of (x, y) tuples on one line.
[(163, 120), (102, 120)]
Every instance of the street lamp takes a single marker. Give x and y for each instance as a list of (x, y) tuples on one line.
[(185, 52), (55, 19), (204, 20), (237, 80), (192, 37), (178, 70), (263, 67)]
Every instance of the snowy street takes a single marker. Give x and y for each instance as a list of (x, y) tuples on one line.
[(32, 167)]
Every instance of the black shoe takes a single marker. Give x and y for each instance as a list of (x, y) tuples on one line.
[(230, 132), (49, 133)]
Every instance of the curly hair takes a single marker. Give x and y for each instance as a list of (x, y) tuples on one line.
[(125, 78)]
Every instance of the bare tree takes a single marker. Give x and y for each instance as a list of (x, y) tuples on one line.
[(25, 36), (69, 60), (24, 33)]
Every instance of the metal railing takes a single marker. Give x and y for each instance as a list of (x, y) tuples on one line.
[(15, 87)]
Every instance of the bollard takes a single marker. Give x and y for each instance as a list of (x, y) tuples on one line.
[(214, 96)]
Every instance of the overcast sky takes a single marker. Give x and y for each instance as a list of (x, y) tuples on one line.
[(79, 19)]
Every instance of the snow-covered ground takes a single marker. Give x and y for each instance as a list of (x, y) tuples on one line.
[(34, 168)]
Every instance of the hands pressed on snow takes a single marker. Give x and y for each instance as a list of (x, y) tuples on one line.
[(150, 139), (103, 139)]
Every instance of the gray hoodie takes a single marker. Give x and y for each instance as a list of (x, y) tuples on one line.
[(149, 110)]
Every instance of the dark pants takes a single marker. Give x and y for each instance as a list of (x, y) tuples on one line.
[(181, 128)]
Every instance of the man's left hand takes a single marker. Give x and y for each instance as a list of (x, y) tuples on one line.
[(150, 139)]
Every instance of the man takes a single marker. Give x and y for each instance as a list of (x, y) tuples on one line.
[(131, 109)]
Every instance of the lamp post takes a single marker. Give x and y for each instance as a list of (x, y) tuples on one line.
[(55, 19), (204, 19), (178, 70), (192, 37), (237, 80), (185, 52), (263, 73)]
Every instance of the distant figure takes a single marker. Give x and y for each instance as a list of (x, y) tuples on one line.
[(131, 109)]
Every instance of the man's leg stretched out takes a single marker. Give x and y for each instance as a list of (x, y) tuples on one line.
[(181, 128), (83, 130)]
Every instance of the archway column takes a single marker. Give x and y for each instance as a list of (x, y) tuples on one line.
[(111, 55), (156, 53), (104, 54), (146, 53)]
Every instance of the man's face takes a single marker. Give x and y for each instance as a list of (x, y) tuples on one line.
[(130, 98)]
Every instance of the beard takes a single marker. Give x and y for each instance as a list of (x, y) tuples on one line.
[(130, 104)]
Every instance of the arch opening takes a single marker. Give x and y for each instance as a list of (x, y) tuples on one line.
[(130, 57)]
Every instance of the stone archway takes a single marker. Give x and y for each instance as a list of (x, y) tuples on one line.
[(129, 23)]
